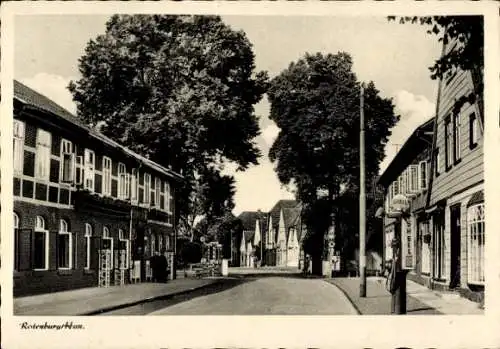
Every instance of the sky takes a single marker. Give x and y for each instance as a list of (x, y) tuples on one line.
[(395, 57)]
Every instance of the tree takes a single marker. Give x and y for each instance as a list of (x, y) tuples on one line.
[(191, 253), (177, 89), (315, 103), (468, 55)]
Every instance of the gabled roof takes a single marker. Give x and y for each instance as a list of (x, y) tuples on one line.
[(275, 211), (410, 149), (37, 101), (248, 219)]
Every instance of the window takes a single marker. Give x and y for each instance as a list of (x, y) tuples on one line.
[(473, 131), (123, 182), (106, 175), (167, 197), (88, 236), (476, 237), (67, 162), (40, 245), (18, 146), (456, 138), (89, 169), (43, 144), (16, 241), (437, 162), (153, 244), (157, 191), (402, 188), (124, 249), (105, 233), (160, 243), (448, 145), (413, 175), (133, 185), (64, 246), (147, 188), (423, 175)]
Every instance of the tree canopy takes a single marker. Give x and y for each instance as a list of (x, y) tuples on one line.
[(468, 34), (315, 103), (179, 90)]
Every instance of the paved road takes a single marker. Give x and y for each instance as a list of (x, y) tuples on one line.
[(272, 295)]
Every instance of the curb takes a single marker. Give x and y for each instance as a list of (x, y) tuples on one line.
[(347, 296), (147, 300)]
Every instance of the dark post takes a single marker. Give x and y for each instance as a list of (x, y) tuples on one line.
[(362, 199), (399, 296)]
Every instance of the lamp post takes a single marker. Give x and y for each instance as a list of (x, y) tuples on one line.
[(362, 198)]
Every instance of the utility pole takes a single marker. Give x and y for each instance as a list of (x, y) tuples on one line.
[(362, 198)]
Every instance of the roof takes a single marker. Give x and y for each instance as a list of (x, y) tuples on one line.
[(410, 149), (275, 211), (35, 100), (248, 219)]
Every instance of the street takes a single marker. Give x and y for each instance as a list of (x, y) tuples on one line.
[(272, 295)]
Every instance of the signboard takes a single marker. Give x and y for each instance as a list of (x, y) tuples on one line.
[(407, 246)]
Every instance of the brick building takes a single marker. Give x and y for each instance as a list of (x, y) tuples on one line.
[(87, 211)]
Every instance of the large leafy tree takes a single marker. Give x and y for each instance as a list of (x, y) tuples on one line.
[(178, 89), (468, 55), (315, 103)]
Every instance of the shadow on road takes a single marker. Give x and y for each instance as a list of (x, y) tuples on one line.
[(169, 300)]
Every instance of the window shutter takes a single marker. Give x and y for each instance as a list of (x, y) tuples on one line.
[(53, 250), (25, 249)]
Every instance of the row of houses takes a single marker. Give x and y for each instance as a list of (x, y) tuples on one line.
[(440, 170), (87, 211), (273, 238)]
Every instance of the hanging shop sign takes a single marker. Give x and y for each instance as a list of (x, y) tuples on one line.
[(407, 245)]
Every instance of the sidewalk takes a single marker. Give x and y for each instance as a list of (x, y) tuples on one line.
[(420, 299), (92, 300)]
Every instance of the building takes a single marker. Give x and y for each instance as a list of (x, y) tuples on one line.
[(408, 174), (250, 242), (455, 203), (284, 235), (87, 211), (444, 246)]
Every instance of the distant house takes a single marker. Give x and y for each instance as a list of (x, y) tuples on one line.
[(283, 240), (254, 225)]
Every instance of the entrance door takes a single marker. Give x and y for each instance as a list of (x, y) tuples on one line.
[(455, 246), (105, 262)]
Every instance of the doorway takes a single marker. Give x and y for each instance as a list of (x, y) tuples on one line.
[(455, 246)]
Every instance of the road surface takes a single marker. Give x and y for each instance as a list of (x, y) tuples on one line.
[(272, 295)]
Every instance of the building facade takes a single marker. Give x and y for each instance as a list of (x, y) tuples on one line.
[(444, 238), (455, 203), (87, 211), (408, 175)]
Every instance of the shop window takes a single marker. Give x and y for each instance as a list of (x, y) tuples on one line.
[(476, 237), (42, 158), (64, 246), (40, 245), (88, 237), (18, 146), (67, 162)]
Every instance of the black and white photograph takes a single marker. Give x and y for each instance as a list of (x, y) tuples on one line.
[(168, 164)]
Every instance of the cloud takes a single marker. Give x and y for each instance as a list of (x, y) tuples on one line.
[(270, 133), (54, 87), (414, 111)]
